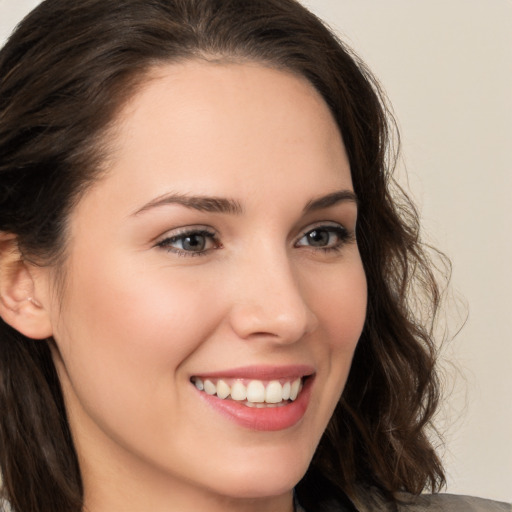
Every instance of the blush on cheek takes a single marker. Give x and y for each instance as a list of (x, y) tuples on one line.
[(345, 315)]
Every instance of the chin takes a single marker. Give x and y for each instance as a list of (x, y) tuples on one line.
[(261, 477), (252, 487)]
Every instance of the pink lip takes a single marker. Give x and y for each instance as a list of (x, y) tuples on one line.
[(261, 372), (267, 418)]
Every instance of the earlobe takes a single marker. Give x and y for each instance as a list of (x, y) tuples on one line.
[(20, 306)]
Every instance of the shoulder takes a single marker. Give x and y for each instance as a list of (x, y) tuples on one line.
[(316, 494), (371, 500), (452, 503)]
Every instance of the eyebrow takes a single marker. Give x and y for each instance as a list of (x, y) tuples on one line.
[(231, 206), (201, 203), (329, 200)]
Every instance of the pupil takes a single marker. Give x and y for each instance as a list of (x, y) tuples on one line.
[(319, 237), (194, 243)]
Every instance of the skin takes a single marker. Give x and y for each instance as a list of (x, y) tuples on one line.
[(138, 318)]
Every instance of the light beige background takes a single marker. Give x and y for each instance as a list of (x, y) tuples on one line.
[(447, 68)]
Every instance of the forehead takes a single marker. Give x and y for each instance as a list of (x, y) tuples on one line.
[(225, 129)]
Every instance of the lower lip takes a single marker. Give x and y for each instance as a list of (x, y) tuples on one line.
[(265, 418)]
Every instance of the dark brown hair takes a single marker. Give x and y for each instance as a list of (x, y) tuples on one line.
[(64, 75)]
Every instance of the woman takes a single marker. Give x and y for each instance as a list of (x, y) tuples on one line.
[(204, 279)]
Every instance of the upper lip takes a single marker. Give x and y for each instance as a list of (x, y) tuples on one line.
[(263, 372)]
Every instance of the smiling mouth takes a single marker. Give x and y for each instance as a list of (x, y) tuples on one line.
[(252, 393)]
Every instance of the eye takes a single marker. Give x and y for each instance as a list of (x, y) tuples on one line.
[(327, 237), (190, 243)]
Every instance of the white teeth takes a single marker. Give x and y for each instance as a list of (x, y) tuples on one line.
[(286, 390), (264, 406), (209, 387), (256, 391), (255, 394), (238, 391), (295, 389), (223, 390), (255, 405), (274, 392)]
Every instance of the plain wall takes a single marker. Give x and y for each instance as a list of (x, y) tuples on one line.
[(447, 68)]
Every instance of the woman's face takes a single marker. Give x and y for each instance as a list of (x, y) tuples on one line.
[(217, 255)]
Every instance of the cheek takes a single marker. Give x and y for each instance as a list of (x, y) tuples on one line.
[(124, 334), (338, 299), (340, 306), (139, 309)]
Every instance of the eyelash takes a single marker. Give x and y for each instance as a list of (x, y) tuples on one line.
[(166, 242), (344, 237)]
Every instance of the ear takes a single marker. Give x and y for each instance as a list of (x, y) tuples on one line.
[(20, 306)]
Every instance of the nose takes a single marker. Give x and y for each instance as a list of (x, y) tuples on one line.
[(268, 300)]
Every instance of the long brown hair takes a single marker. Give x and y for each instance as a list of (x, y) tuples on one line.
[(64, 75)]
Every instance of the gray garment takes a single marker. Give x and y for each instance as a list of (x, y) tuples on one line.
[(370, 501), (424, 503), (453, 503), (430, 503)]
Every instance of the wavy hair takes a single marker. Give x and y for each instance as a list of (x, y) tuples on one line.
[(65, 74)]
